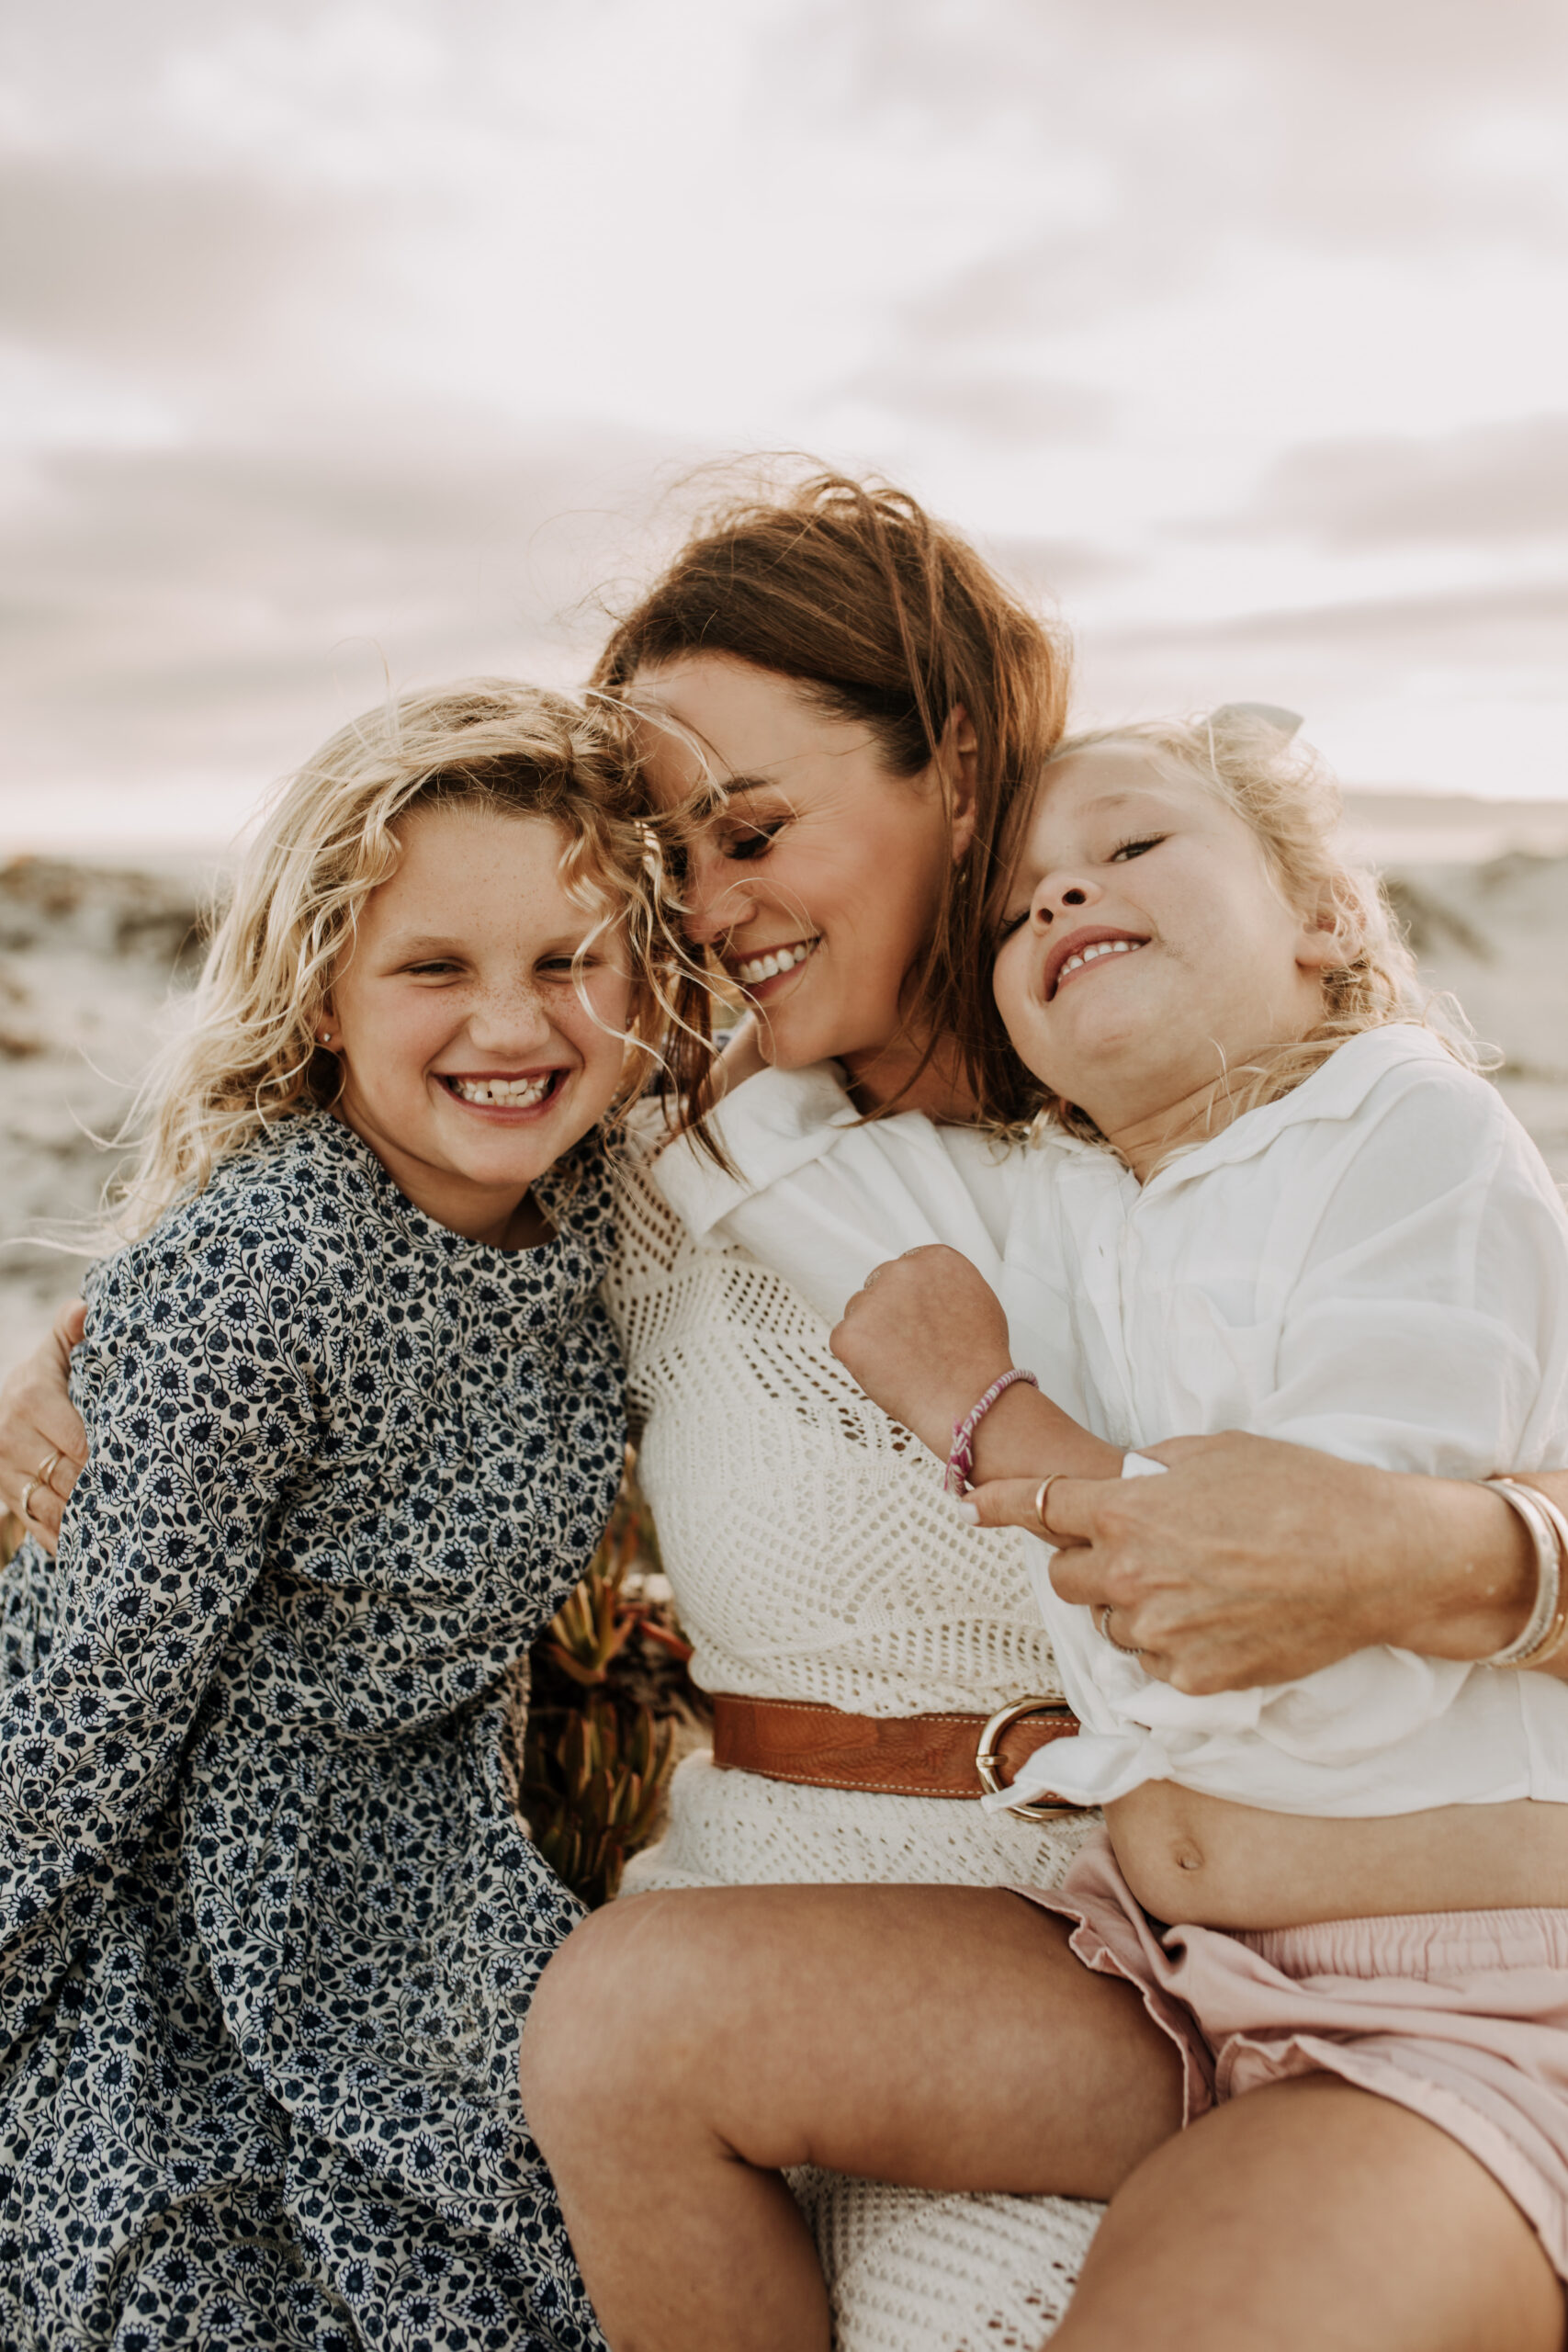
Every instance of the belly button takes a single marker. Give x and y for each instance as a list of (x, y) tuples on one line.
[(1188, 1858)]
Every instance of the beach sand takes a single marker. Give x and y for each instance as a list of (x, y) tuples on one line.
[(86, 958), (87, 955)]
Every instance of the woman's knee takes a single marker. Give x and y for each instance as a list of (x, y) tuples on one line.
[(621, 2006), (578, 2019)]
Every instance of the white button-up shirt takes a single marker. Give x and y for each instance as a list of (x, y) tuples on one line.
[(1376, 1265)]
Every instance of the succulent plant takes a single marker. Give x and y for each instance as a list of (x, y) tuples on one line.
[(603, 1709)]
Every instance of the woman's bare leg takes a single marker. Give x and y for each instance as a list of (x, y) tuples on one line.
[(1314, 2215), (682, 2048)]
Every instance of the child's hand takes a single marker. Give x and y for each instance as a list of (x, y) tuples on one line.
[(925, 1339), (1009, 1502)]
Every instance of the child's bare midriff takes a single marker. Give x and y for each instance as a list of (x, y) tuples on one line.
[(1215, 1864)]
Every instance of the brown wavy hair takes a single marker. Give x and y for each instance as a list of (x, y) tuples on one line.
[(883, 616)]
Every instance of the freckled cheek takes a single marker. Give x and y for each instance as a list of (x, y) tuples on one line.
[(391, 1045)]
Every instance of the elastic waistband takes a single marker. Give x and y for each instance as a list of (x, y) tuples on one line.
[(1416, 1943)]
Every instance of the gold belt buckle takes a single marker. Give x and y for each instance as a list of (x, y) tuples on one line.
[(987, 1756)]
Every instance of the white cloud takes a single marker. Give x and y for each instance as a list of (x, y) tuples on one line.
[(1496, 483), (353, 324)]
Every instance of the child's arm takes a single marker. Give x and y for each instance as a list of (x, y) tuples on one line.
[(202, 1420), (925, 1339)]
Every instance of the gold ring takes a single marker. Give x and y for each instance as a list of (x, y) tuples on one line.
[(1041, 1492), (1128, 1649), (46, 1473), (23, 1512)]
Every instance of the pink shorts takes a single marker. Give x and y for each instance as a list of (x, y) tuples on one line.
[(1462, 2016)]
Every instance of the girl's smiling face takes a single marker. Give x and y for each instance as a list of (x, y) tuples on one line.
[(818, 883), (1145, 947), (470, 1060)]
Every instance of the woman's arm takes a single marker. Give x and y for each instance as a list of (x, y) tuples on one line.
[(1252, 1561), (1258, 1561), (1255, 1561), (1259, 1558)]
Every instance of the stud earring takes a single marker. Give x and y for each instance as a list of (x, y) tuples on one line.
[(326, 1038)]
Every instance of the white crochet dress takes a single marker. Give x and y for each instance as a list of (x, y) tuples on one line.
[(812, 1557)]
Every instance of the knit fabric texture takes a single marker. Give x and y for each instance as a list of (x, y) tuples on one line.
[(813, 1555)]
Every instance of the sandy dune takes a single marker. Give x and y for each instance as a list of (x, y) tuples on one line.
[(86, 954)]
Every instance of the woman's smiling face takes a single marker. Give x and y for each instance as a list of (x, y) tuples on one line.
[(1146, 946), (818, 884)]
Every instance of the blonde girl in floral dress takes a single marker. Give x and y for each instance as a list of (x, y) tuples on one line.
[(268, 1921)]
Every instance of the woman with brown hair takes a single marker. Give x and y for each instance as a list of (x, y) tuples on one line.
[(836, 669), (849, 705), (854, 705)]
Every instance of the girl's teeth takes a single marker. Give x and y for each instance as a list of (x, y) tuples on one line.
[(1097, 947), (512, 1094), (765, 967)]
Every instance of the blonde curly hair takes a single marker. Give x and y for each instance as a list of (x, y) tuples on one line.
[(1252, 759), (247, 1052)]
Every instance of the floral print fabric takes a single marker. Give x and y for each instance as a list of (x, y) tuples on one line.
[(268, 1921)]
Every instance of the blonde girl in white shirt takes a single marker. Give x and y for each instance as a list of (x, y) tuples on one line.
[(1267, 1199)]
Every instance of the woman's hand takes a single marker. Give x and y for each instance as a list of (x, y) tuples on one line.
[(925, 1339), (37, 1420), (1255, 1561)]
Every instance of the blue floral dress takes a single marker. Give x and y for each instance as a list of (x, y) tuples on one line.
[(268, 1921)]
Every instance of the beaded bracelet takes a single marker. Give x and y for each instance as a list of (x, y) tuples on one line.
[(1542, 1634), (961, 1461)]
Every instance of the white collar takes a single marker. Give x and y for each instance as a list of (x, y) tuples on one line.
[(1336, 1089)]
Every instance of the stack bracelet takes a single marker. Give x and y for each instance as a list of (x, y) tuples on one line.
[(1543, 1631), (1557, 1632), (961, 1461)]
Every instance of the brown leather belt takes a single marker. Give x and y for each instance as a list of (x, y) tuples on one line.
[(899, 1755)]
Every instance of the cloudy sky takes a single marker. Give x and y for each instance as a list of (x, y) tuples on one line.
[(348, 338)]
